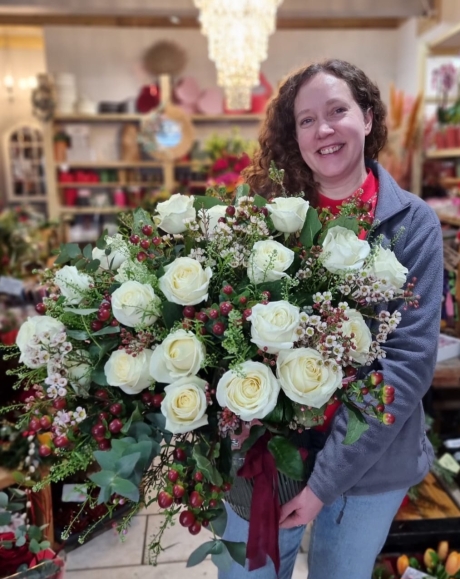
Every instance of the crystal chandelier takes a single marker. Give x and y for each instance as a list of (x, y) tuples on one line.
[(237, 32)]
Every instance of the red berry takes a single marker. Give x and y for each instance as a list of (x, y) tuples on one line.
[(189, 312), (218, 328), (105, 305), (196, 500), (103, 315), (147, 230), (157, 399), (41, 308), (243, 300), (225, 308), (34, 424), (165, 500), (380, 407), (213, 314), (98, 430), (156, 241), (141, 256), (116, 409), (376, 378), (202, 317), (178, 491), (173, 475), (145, 243), (114, 323), (103, 394), (205, 523), (180, 454), (61, 441), (59, 403), (115, 426), (44, 450), (264, 211), (103, 416), (203, 331), (187, 518), (230, 210), (146, 397), (195, 528), (198, 476), (228, 290), (247, 313), (266, 295), (388, 399), (388, 391), (96, 325), (134, 239), (215, 489), (364, 391), (104, 444), (46, 422), (213, 503), (388, 418), (226, 487)]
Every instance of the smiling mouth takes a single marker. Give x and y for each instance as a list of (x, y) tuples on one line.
[(330, 150)]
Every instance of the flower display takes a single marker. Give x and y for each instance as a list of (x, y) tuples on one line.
[(156, 348)]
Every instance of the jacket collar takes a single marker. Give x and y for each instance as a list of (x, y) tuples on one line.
[(391, 199)]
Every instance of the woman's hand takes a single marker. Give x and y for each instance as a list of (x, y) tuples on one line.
[(300, 510)]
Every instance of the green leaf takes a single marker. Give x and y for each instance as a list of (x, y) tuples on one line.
[(107, 330), (274, 287), (222, 560), (283, 411), (104, 495), (101, 243), (157, 419), (254, 434), (82, 312), (34, 533), (5, 518), (310, 229), (287, 457), (44, 545), (237, 551), (22, 541), (242, 190), (98, 376), (200, 554), (3, 500), (141, 218), (15, 507), (104, 458), (209, 471), (126, 489), (344, 221), (34, 546), (77, 334), (124, 467), (73, 250), (220, 523), (172, 313), (204, 202), (136, 416), (93, 265), (103, 478), (259, 201), (88, 251), (357, 424)]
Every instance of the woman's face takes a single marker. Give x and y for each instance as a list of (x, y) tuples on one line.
[(331, 128)]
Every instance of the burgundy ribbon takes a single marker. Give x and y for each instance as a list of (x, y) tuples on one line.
[(259, 465)]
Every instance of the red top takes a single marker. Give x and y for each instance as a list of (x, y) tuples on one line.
[(368, 193)]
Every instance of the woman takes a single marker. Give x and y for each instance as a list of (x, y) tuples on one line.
[(325, 128)]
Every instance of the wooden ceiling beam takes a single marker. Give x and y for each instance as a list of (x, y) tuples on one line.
[(126, 21)]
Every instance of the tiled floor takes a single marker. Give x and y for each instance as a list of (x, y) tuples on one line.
[(105, 557)]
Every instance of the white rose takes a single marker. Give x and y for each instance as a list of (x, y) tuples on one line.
[(185, 282), (129, 373), (210, 218), (119, 253), (362, 335), (288, 213), (251, 393), (305, 378), (35, 327), (135, 304), (343, 251), (267, 254), (79, 369), (180, 354), (72, 283), (172, 213), (386, 266), (185, 404), (274, 325)]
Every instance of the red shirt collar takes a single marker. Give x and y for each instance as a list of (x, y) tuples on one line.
[(366, 192)]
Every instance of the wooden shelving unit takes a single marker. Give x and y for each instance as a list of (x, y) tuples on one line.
[(450, 182), (443, 153), (126, 118)]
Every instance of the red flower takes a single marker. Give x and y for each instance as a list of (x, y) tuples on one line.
[(242, 163), (11, 559), (220, 165)]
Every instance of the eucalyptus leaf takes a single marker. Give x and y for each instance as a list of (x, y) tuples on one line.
[(222, 560), (101, 243), (126, 489), (34, 546), (204, 202), (77, 334), (88, 251), (107, 330), (219, 524), (141, 218), (81, 312), (21, 541), (287, 457), (73, 250), (210, 472), (242, 190), (237, 551), (5, 518), (157, 419), (98, 376), (93, 265), (310, 229), (124, 467), (3, 500), (104, 459), (102, 478), (200, 554), (104, 495), (34, 533), (356, 426), (259, 201)]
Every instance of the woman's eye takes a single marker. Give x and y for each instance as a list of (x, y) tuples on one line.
[(340, 110), (306, 121)]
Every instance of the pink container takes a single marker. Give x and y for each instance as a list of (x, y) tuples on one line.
[(440, 139), (119, 198), (451, 136), (70, 197)]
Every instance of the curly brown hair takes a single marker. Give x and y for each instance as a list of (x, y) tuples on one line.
[(277, 137)]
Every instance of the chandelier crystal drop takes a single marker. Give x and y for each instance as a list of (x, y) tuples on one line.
[(238, 32)]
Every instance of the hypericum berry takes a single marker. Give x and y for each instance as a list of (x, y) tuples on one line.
[(227, 290), (105, 305), (364, 391), (215, 489), (213, 314), (180, 454), (61, 441), (46, 422), (266, 295), (376, 378), (103, 416), (96, 325), (104, 444), (247, 313), (186, 518), (218, 328), (380, 407), (388, 418), (205, 523), (134, 239), (202, 317), (116, 408), (173, 475), (213, 503), (103, 394), (98, 430), (156, 241), (264, 211), (225, 308), (195, 528), (178, 491), (114, 323), (103, 315), (157, 399), (34, 424), (243, 300), (165, 500), (59, 403), (145, 243), (147, 230), (189, 312), (41, 308), (388, 390), (44, 450), (146, 398), (230, 211), (141, 256), (196, 500), (198, 476), (388, 399), (226, 487), (115, 426)]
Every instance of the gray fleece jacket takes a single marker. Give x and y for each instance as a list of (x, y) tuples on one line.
[(387, 458)]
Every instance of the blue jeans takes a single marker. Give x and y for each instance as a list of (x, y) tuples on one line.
[(346, 538)]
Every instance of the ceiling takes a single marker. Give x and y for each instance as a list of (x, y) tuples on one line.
[(291, 14)]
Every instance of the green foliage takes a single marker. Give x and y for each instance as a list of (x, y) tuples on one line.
[(206, 467), (205, 202), (287, 458), (310, 229), (83, 261), (356, 426)]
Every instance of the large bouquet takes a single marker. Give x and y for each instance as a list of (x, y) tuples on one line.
[(157, 347)]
